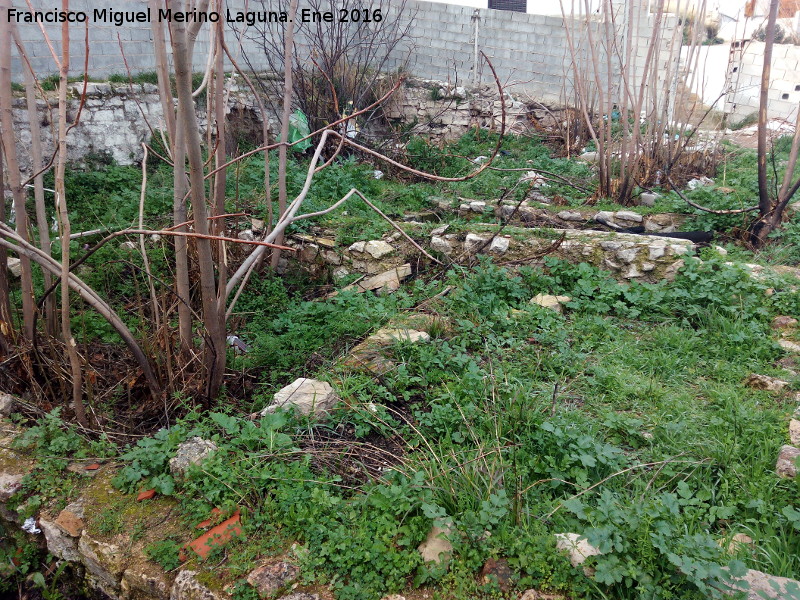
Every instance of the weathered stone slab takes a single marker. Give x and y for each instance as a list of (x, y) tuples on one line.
[(191, 452), (187, 587), (764, 382), (271, 578), (555, 303), (578, 549), (786, 465), (10, 484), (144, 582), (760, 586), (436, 547), (307, 396), (59, 543)]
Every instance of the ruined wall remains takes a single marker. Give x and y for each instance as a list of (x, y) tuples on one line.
[(115, 120)]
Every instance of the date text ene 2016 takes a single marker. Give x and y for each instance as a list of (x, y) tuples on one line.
[(363, 15)]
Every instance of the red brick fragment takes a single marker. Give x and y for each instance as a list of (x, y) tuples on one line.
[(214, 538), (145, 495), (92, 467)]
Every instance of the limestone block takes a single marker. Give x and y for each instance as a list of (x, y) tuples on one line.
[(627, 255), (627, 215), (271, 578), (555, 303), (578, 549), (794, 432), (104, 563), (784, 322), (656, 251), (786, 467), (14, 266), (500, 245), (789, 346), (144, 582), (388, 335), (59, 543), (307, 396), (357, 247), (10, 484), (187, 587), (191, 452), (436, 547), (473, 242), (377, 249), (764, 382), (7, 404), (759, 586), (441, 245), (648, 199), (568, 215)]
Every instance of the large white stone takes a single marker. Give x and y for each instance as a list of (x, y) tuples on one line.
[(436, 547), (187, 587), (441, 245), (10, 484), (789, 346), (578, 549), (628, 215), (764, 382), (104, 563), (59, 543), (391, 335), (555, 303), (794, 432), (648, 199), (787, 461), (760, 586), (357, 247), (569, 215), (307, 396), (191, 452), (500, 245), (477, 206), (378, 249), (7, 403), (14, 266), (473, 242)]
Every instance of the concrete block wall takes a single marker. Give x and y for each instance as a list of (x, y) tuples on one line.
[(527, 50), (746, 65)]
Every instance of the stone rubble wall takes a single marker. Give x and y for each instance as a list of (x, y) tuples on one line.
[(115, 120), (626, 256), (440, 110)]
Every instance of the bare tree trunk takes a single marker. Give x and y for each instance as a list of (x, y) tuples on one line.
[(762, 228), (288, 90), (162, 71), (6, 326), (14, 175), (38, 181), (214, 352), (64, 225), (220, 157), (177, 147)]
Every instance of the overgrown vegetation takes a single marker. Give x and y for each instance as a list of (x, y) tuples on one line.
[(625, 420)]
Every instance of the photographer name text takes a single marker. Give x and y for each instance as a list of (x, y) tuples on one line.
[(119, 18)]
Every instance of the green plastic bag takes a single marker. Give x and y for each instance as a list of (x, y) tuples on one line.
[(298, 129)]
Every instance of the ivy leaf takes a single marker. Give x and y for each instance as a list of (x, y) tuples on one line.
[(163, 484)]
